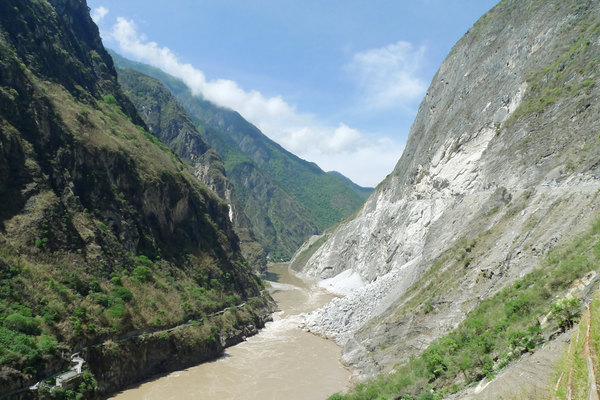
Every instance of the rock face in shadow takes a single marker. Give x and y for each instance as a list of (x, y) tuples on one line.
[(502, 164), (168, 121), (104, 232)]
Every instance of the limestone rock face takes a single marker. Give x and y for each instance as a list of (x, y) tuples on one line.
[(501, 165)]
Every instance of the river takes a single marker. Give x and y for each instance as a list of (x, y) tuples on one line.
[(281, 362)]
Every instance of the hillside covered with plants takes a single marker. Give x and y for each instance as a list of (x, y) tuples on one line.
[(105, 233), (474, 251), (168, 121)]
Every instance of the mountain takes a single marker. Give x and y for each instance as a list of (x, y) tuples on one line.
[(286, 198), (462, 254), (167, 120), (110, 247)]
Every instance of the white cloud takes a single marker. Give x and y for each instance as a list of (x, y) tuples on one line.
[(99, 13), (341, 148), (252, 105), (344, 139), (375, 158), (388, 76)]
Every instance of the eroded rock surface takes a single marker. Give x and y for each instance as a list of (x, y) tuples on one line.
[(501, 165)]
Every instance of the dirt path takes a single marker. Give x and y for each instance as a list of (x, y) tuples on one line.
[(588, 352), (531, 377)]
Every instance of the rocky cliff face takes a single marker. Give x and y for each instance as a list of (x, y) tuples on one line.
[(168, 121), (104, 232), (501, 165)]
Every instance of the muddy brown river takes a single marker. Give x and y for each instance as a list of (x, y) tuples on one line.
[(281, 362)]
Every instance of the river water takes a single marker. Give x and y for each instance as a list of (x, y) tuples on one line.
[(281, 362)]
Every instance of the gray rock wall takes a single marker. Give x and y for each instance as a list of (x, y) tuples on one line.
[(504, 153)]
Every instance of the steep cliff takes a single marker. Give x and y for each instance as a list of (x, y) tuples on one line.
[(501, 166), (104, 232), (168, 121), (285, 198)]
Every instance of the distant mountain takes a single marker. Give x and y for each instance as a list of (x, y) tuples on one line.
[(360, 190), (286, 199), (169, 122)]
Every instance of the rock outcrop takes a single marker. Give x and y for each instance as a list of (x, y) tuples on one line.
[(501, 165), (168, 121)]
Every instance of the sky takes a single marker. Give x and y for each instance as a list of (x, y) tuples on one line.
[(336, 82)]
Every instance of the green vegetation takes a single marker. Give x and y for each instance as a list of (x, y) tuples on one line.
[(572, 73), (572, 374), (170, 124), (495, 332), (105, 232)]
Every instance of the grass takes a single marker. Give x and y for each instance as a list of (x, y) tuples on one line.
[(571, 74), (573, 364), (494, 333)]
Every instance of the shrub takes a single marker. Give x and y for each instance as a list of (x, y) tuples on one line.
[(116, 311), (143, 260), (16, 346), (101, 299), (116, 280), (142, 273), (95, 286), (47, 344), (21, 323), (123, 293), (565, 312), (110, 99)]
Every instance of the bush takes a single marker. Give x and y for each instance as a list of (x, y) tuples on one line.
[(110, 99), (101, 299), (142, 273), (47, 344), (21, 323), (95, 286), (143, 260), (123, 293), (565, 312), (116, 311)]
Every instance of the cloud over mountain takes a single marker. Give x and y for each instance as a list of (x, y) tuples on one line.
[(334, 147)]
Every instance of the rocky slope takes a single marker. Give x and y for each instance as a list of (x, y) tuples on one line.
[(168, 121), (104, 232), (286, 198), (502, 165)]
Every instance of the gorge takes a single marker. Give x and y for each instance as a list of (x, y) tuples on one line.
[(137, 219)]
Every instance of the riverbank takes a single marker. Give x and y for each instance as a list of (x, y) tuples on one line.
[(118, 364), (282, 361)]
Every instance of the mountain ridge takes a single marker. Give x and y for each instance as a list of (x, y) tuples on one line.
[(317, 199), (168, 121)]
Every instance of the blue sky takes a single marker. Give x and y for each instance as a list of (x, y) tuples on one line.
[(336, 82)]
